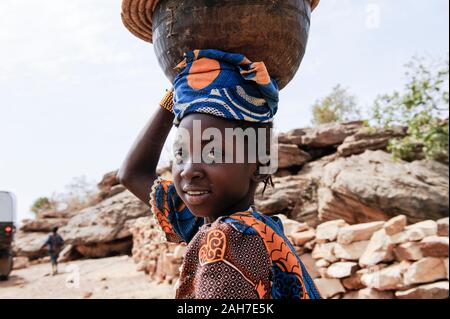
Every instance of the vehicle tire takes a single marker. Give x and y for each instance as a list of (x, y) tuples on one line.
[(6, 265)]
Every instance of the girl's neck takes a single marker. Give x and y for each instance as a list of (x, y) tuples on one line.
[(243, 206), (211, 220)]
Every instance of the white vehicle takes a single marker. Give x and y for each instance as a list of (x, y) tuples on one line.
[(7, 229)]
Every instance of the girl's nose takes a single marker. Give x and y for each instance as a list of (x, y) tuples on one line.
[(192, 171)]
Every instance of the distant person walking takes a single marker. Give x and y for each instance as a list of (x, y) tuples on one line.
[(55, 244)]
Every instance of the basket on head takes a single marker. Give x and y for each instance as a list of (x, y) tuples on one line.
[(273, 31)]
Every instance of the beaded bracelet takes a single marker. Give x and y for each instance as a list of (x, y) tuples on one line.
[(167, 101)]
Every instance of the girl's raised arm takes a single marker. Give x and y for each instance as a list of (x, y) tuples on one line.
[(138, 172)]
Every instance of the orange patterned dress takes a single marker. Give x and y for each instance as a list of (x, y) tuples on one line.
[(242, 256)]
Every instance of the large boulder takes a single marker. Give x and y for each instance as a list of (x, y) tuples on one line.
[(42, 225), (291, 156), (375, 186), (289, 193), (437, 290), (108, 187), (321, 136), (108, 181), (29, 244), (106, 226), (368, 138)]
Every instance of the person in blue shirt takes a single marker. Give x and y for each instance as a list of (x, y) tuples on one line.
[(54, 244)]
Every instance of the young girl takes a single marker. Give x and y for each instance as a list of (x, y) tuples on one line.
[(233, 251)]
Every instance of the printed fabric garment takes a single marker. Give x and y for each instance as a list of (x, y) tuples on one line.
[(242, 256), (226, 85)]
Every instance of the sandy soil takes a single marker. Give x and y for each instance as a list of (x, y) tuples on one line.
[(106, 278)]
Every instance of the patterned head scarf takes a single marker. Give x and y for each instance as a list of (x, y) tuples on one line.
[(226, 85)]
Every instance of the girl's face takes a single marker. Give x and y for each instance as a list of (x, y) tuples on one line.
[(208, 188)]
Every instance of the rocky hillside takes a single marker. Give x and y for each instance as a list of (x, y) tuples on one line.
[(338, 172)]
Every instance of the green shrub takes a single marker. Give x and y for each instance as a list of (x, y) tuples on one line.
[(422, 107), (41, 204), (339, 106)]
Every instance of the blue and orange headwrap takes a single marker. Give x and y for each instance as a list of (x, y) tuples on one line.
[(226, 85)]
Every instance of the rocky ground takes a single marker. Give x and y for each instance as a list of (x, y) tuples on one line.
[(105, 278)]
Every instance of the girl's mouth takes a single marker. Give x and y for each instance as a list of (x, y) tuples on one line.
[(196, 198)]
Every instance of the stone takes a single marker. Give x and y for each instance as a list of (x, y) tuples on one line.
[(275, 205), (20, 263), (325, 251), (104, 222), (443, 227), (109, 180), (310, 265), (322, 263), (437, 290), (168, 266), (68, 253), (299, 239), (434, 246), (379, 249), (110, 192), (328, 231), (351, 251), (288, 193), (369, 293), (342, 270), (179, 251), (428, 227), (359, 232), (389, 278), (321, 136), (408, 251), (56, 214), (291, 156), (446, 266), (354, 281), (399, 238), (390, 187), (368, 138), (395, 225), (415, 234), (105, 229), (329, 134), (329, 288), (29, 245), (43, 225), (426, 270), (309, 246), (292, 227), (103, 250), (408, 235), (323, 272)]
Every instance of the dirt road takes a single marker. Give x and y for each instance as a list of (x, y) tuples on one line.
[(106, 278)]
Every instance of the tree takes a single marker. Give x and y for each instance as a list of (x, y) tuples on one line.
[(78, 194), (338, 106), (423, 108), (42, 204)]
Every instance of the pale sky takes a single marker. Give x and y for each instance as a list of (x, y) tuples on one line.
[(76, 87)]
